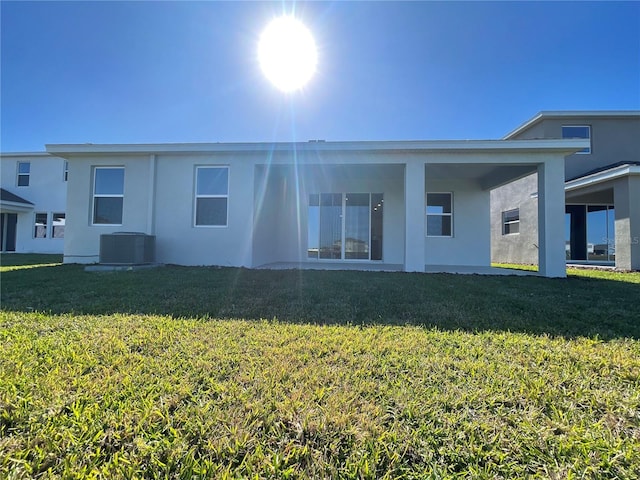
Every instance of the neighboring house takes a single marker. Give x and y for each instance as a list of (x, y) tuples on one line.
[(602, 192), (32, 203), (402, 205)]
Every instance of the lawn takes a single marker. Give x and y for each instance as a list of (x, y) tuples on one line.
[(232, 373)]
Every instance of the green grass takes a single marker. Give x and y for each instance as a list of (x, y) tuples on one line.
[(232, 373)]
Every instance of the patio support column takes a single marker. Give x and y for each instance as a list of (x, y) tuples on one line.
[(414, 198), (626, 199), (551, 205)]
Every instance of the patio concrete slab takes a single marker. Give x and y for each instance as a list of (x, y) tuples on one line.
[(375, 267), (386, 267), (99, 267), (478, 270)]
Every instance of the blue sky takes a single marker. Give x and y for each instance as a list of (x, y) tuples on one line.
[(139, 72)]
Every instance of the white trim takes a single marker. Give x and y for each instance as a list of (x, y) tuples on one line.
[(196, 196), (600, 177), (15, 207), (566, 146), (25, 154)]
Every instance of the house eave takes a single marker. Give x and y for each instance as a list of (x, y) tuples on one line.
[(24, 154), (564, 146), (600, 177)]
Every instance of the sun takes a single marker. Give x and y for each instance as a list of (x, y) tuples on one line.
[(287, 53)]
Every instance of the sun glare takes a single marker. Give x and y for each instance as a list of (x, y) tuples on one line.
[(287, 54)]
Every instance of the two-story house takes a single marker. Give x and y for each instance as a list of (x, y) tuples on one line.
[(602, 192), (33, 198)]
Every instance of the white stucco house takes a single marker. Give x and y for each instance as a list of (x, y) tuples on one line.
[(405, 205), (33, 198)]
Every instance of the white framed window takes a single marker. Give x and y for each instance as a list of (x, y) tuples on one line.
[(40, 225), (108, 195), (65, 172), (211, 196), (511, 222), (57, 225), (578, 131), (440, 214), (24, 172)]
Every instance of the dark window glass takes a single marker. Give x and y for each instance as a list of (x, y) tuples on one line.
[(107, 210), (439, 213), (40, 228), (24, 172), (211, 211), (58, 225), (438, 203), (213, 181), (577, 131), (109, 181), (439, 226)]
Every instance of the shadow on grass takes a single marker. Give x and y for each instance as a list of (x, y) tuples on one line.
[(562, 307)]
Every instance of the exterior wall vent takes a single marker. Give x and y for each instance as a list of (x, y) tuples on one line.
[(127, 248)]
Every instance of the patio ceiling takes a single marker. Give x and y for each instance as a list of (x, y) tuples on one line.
[(488, 175)]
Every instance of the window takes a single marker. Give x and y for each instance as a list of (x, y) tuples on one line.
[(578, 131), (108, 195), (57, 228), (439, 214), (212, 196), (65, 173), (511, 221), (40, 226), (24, 171)]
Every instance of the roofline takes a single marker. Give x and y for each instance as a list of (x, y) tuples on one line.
[(544, 114), (603, 176), (547, 145), (18, 200), (25, 154), (22, 206)]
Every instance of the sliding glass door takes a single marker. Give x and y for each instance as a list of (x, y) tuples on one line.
[(345, 226), (590, 233), (330, 225)]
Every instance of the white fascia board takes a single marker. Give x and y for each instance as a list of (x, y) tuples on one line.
[(24, 154), (547, 114), (604, 176), (15, 207), (565, 146)]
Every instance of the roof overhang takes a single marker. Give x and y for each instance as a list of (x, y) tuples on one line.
[(601, 177), (24, 154), (563, 146), (12, 203), (568, 114), (13, 207)]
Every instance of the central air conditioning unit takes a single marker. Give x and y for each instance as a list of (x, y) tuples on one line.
[(127, 248)]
